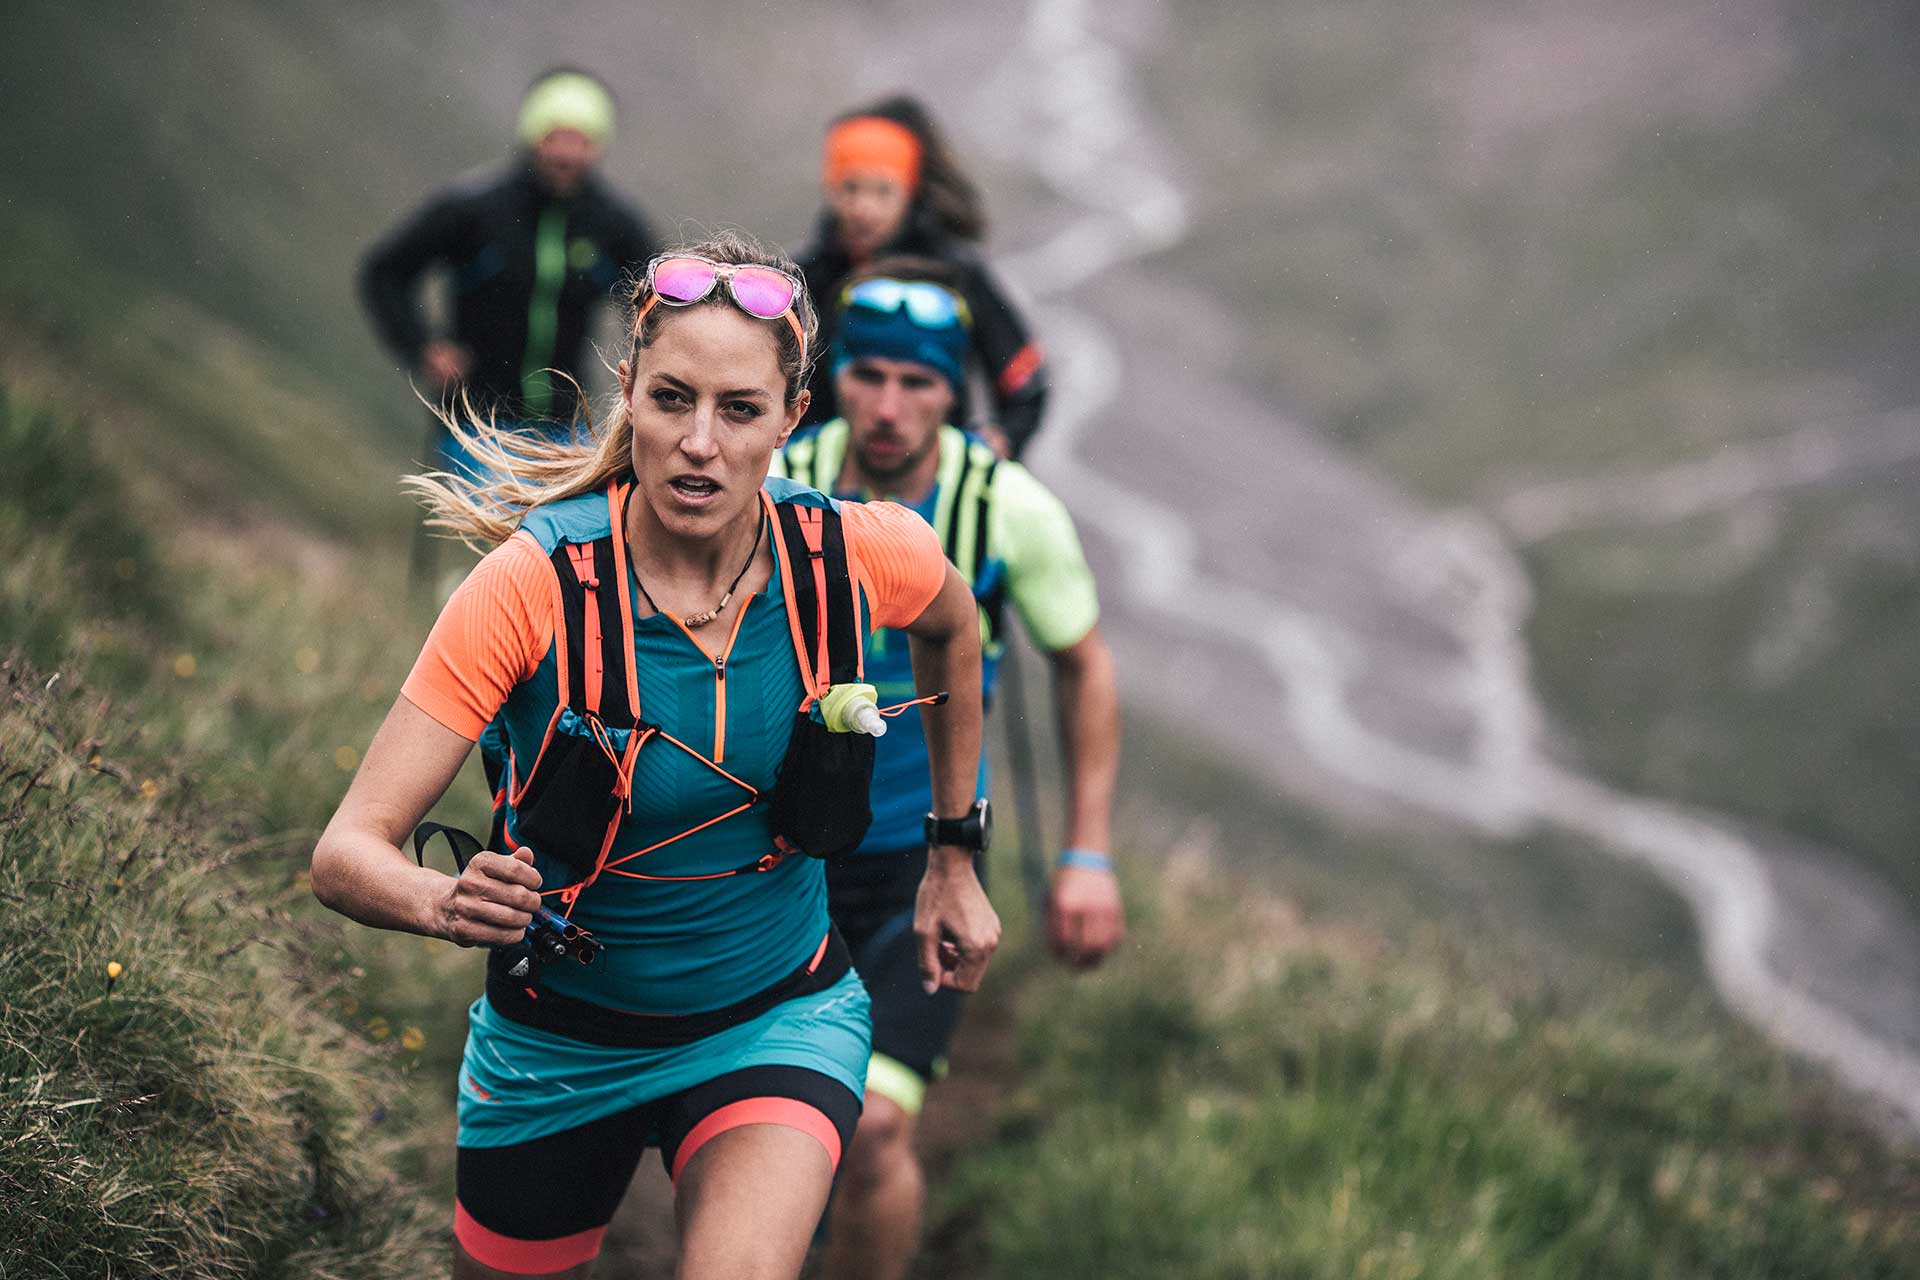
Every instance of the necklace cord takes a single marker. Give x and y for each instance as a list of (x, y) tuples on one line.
[(702, 619)]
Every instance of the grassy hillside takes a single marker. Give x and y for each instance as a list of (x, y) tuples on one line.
[(243, 675), (1491, 245), (208, 1113)]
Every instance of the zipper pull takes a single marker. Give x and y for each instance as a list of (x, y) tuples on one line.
[(720, 667)]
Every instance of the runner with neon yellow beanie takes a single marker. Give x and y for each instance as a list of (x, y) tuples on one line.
[(530, 251)]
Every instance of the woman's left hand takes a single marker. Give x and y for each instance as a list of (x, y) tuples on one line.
[(955, 927)]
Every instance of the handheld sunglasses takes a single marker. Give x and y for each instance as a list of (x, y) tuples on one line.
[(928, 305), (682, 279)]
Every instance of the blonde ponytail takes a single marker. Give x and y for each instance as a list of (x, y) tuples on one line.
[(528, 470)]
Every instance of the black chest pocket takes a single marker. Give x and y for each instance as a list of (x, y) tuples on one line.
[(820, 804), (571, 804)]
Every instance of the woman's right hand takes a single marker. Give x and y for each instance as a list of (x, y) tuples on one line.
[(492, 902), (955, 927)]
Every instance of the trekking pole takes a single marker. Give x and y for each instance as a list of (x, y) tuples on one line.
[(1026, 783)]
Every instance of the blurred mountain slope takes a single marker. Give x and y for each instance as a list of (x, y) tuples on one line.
[(1577, 267)]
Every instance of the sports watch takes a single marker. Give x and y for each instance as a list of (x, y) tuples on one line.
[(974, 831)]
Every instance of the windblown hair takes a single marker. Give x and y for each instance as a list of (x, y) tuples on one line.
[(946, 194), (529, 471)]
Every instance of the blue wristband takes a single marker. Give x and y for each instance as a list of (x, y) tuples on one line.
[(1085, 859)]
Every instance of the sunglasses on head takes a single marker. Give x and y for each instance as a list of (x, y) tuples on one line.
[(682, 279), (928, 305)]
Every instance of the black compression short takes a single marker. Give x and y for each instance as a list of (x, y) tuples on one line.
[(543, 1205)]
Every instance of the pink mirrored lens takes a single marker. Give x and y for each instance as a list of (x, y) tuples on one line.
[(762, 292), (683, 279)]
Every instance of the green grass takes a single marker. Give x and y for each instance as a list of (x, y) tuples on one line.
[(236, 679), (202, 420), (233, 159), (182, 222), (1243, 1093), (205, 1115), (73, 562)]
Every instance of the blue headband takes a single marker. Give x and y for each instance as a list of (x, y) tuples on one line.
[(866, 332)]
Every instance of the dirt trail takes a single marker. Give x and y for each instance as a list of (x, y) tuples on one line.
[(1363, 648)]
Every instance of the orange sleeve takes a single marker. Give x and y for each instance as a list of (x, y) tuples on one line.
[(900, 564), (492, 634)]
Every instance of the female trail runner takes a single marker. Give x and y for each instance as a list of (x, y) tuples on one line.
[(892, 186), (632, 628)]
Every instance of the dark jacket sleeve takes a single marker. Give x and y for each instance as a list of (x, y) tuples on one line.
[(390, 273), (1014, 366), (822, 270), (632, 242)]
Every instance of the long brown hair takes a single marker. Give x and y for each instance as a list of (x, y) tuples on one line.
[(946, 194), (529, 470)]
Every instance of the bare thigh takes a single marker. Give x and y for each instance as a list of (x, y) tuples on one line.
[(748, 1202)]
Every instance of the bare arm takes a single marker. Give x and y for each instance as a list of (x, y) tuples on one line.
[(945, 642), (1085, 920), (360, 870), (1086, 698)]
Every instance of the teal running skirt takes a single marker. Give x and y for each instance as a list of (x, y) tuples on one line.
[(518, 1083)]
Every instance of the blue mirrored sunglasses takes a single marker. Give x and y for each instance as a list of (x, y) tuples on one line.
[(928, 305)]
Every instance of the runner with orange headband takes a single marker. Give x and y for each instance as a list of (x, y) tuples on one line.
[(892, 186), (664, 632)]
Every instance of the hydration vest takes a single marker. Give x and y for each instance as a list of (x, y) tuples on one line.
[(961, 514), (569, 803)]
